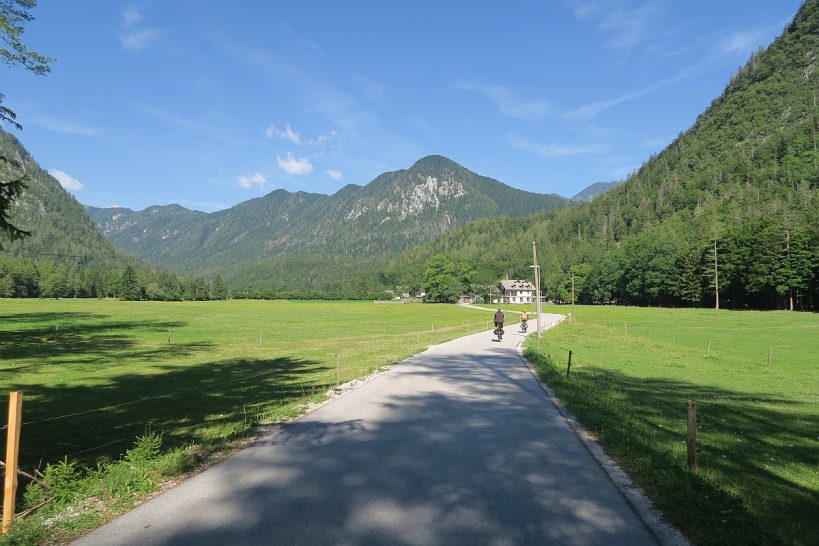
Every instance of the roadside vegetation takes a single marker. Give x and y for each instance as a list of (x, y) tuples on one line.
[(633, 371), (189, 379)]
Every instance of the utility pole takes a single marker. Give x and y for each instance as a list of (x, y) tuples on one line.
[(716, 275), (787, 262), (536, 267)]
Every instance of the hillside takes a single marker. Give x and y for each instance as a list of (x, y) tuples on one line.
[(744, 179), (393, 213), (65, 253)]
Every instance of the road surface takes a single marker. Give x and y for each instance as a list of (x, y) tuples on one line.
[(457, 445)]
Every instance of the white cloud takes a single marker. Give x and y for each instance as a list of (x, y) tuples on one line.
[(627, 26), (66, 180), (291, 135), (319, 96), (590, 110), (138, 40), (201, 128), (254, 179), (65, 126), (287, 134), (731, 44), (323, 141), (130, 16), (334, 174), (291, 165), (132, 37), (740, 42), (371, 89), (584, 10), (552, 150), (509, 105)]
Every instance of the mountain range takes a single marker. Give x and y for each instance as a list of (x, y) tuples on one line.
[(394, 212)]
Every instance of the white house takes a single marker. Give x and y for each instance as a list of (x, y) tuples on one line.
[(517, 291)]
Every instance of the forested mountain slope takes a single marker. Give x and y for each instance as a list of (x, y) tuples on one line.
[(394, 212), (744, 179), (65, 253)]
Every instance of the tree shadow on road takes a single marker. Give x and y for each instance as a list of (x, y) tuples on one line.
[(483, 460)]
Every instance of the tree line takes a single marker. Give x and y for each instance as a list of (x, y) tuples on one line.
[(26, 278)]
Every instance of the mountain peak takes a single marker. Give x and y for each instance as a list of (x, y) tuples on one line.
[(598, 188), (434, 162)]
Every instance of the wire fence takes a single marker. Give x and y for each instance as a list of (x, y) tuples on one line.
[(216, 397)]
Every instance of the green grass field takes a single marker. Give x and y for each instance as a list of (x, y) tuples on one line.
[(97, 373), (633, 370)]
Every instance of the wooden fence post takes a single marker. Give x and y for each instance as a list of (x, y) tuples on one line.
[(569, 366), (692, 436), (12, 452), (770, 353), (338, 365)]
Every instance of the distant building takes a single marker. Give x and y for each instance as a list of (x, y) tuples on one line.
[(516, 291)]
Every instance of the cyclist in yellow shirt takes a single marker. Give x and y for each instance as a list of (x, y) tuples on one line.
[(524, 319)]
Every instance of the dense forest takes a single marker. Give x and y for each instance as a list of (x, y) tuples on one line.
[(733, 202)]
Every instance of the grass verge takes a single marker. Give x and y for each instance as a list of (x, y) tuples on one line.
[(96, 374), (757, 425)]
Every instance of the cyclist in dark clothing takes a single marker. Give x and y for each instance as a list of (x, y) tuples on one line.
[(499, 324)]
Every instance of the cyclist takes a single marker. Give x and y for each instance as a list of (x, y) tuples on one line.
[(499, 323), (524, 320)]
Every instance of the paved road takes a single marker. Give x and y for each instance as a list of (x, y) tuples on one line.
[(458, 445)]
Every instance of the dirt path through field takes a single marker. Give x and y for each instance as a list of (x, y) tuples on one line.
[(457, 445)]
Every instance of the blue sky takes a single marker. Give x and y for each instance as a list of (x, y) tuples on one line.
[(207, 104)]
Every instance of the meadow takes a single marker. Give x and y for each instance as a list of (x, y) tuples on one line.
[(98, 373), (633, 371)]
